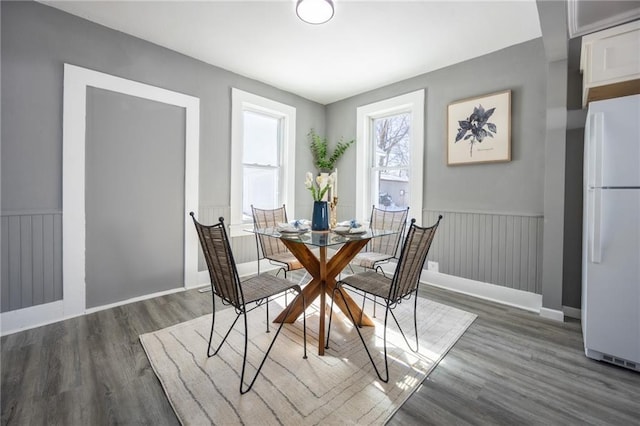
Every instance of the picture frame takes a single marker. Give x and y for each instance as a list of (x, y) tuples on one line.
[(479, 129)]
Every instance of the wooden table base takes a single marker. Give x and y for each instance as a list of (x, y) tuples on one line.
[(324, 275)]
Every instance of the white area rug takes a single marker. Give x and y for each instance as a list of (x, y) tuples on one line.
[(340, 387)]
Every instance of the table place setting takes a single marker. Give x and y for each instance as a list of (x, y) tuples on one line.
[(294, 227), (349, 227)]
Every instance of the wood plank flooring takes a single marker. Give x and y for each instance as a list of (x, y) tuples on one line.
[(510, 368)]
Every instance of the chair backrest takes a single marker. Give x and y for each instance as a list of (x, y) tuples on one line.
[(388, 220), (412, 257), (225, 281), (269, 218)]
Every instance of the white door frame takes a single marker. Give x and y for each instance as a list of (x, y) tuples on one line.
[(76, 82)]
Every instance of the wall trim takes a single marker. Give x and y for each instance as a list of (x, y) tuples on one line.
[(571, 312), (552, 314), (49, 313), (494, 213), (36, 316), (33, 212), (31, 317), (135, 299), (76, 82), (504, 295)]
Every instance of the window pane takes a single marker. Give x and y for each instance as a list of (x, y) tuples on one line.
[(260, 188), (391, 189), (390, 172), (261, 135), (391, 141)]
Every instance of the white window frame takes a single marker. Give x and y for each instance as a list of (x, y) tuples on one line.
[(242, 101), (412, 103)]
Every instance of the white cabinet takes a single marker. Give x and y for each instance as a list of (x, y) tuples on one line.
[(610, 63)]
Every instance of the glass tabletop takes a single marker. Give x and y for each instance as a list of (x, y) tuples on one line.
[(322, 238)]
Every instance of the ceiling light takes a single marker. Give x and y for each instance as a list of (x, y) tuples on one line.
[(314, 11)]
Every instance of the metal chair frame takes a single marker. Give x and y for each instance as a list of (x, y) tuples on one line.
[(385, 245), (392, 291), (226, 284), (266, 246)]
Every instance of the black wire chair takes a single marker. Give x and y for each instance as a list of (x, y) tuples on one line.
[(271, 248), (243, 296), (390, 292), (382, 249)]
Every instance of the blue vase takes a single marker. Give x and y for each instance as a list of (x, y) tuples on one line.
[(320, 218)]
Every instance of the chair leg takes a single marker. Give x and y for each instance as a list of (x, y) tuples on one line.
[(213, 322), (286, 302), (380, 271), (366, 348), (326, 341), (415, 325), (364, 299), (244, 389), (267, 309)]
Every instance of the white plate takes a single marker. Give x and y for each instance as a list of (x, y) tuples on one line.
[(348, 232), (293, 231)]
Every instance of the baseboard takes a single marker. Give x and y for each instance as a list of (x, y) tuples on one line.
[(49, 313), (506, 296), (570, 312), (36, 316), (31, 317), (552, 314), (135, 299)]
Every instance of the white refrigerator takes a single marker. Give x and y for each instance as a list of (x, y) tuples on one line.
[(611, 232)]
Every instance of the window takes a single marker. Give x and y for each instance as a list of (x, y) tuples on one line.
[(390, 152), (263, 156)]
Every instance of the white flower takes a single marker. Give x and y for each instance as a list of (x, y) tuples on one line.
[(308, 181), (320, 187)]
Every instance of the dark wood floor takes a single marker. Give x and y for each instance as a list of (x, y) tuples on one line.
[(511, 367)]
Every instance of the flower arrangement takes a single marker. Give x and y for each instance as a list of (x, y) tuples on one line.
[(316, 187)]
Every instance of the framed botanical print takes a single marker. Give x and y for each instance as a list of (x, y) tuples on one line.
[(479, 129)]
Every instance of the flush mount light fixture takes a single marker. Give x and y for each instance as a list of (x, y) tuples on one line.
[(314, 11)]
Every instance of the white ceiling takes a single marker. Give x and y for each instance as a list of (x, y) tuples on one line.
[(366, 45)]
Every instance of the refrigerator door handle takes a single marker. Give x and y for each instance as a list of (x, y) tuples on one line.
[(594, 139), (595, 231)]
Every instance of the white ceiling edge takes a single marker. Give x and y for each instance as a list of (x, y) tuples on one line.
[(367, 45), (585, 17)]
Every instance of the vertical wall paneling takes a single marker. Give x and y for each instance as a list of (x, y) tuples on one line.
[(37, 277), (13, 235), (31, 259), (501, 249), (4, 278), (27, 261)]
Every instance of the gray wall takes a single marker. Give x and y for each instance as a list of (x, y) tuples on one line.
[(492, 231), (572, 257), (36, 41), (134, 185), (513, 187)]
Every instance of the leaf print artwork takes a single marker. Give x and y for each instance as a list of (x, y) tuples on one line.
[(479, 120), (473, 128)]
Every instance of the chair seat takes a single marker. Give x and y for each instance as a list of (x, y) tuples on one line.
[(368, 259), (291, 261), (370, 282), (288, 259), (263, 286)]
